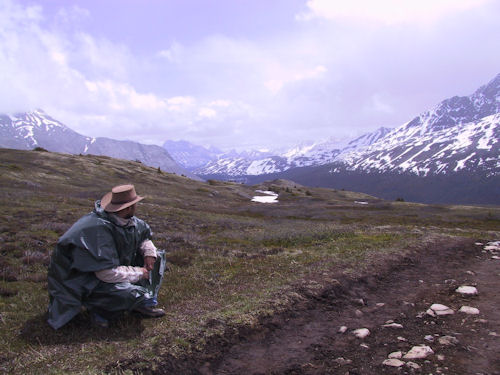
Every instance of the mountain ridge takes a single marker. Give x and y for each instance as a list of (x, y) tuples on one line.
[(32, 129)]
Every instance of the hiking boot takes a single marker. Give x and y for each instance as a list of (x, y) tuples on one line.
[(150, 311), (98, 321)]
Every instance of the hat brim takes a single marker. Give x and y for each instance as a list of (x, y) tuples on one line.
[(110, 207)]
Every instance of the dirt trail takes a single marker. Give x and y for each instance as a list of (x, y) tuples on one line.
[(308, 341)]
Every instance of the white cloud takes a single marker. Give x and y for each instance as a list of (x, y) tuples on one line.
[(286, 77), (387, 11), (379, 104), (207, 112)]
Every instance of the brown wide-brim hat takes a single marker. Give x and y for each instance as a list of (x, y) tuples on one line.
[(119, 198)]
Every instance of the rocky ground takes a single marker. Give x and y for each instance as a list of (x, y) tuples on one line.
[(410, 320)]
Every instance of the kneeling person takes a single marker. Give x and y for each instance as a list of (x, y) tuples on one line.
[(107, 263)]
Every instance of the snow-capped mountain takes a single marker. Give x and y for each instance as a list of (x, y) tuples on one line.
[(26, 131), (461, 133), (448, 154), (305, 154)]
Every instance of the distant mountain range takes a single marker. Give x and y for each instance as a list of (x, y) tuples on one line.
[(448, 154), (26, 131), (209, 162)]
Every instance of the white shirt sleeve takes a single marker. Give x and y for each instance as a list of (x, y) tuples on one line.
[(148, 249), (120, 274)]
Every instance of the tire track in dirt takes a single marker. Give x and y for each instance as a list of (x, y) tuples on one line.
[(308, 341)]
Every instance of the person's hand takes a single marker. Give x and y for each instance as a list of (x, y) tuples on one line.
[(149, 263), (145, 273)]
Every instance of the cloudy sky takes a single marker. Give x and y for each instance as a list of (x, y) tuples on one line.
[(242, 73)]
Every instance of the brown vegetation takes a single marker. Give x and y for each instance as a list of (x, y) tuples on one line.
[(233, 262)]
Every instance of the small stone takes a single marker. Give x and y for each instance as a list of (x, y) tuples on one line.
[(479, 244), (493, 334), (380, 304), (364, 346), (429, 338), (396, 355), (495, 257), (342, 329), (469, 310), (470, 273), (394, 362), (389, 321), (361, 333), (359, 301), (421, 281), (358, 313), (342, 361), (448, 340), (393, 325), (440, 357), (401, 338), (467, 290), (413, 365), (418, 352), (482, 321)]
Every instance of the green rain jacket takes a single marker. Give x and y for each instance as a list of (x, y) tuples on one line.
[(97, 242)]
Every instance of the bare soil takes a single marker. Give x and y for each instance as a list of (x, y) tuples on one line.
[(307, 340)]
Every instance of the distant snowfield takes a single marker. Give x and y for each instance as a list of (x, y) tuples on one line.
[(269, 197)]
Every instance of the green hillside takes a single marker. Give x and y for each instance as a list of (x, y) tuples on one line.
[(232, 261)]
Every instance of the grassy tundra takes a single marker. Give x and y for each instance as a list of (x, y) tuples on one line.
[(233, 261)]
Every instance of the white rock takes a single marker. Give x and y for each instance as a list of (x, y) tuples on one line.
[(418, 352), (470, 273), (380, 304), (393, 325), (396, 355), (491, 248), (400, 338), (429, 338), (364, 346), (440, 357), (493, 334), (448, 340), (495, 257), (413, 365), (438, 309), (394, 362), (361, 333), (467, 290), (469, 310), (479, 244), (342, 329)]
